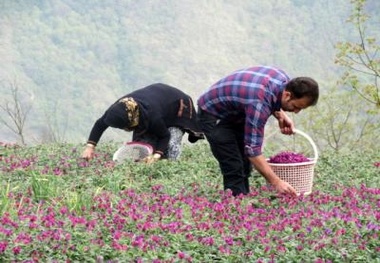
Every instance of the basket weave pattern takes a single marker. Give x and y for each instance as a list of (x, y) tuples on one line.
[(299, 175)]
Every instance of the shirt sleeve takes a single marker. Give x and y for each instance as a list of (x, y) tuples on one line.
[(257, 114), (159, 129), (97, 130)]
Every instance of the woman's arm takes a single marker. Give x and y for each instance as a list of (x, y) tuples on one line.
[(161, 133), (95, 135), (159, 129)]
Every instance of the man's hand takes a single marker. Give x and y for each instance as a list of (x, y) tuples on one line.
[(262, 166), (284, 122), (88, 152), (283, 187)]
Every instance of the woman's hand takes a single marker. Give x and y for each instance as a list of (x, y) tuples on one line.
[(88, 152), (151, 158)]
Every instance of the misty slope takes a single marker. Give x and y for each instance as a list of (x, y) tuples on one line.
[(73, 58)]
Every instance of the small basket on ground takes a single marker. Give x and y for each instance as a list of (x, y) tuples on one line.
[(132, 151), (299, 175)]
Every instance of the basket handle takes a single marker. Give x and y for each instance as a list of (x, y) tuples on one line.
[(296, 131)]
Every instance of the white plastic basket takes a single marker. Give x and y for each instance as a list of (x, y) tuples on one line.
[(299, 175), (132, 151)]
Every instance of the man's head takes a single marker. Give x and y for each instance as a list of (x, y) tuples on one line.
[(299, 94)]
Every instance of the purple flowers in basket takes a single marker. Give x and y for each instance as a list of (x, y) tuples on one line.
[(288, 157)]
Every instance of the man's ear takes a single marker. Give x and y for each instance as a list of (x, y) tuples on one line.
[(287, 95)]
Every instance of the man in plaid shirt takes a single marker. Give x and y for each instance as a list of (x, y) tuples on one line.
[(233, 113)]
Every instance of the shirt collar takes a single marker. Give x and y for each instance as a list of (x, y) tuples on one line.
[(277, 104)]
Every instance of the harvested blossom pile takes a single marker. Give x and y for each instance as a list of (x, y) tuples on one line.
[(288, 157)]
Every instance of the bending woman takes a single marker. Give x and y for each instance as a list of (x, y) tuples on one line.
[(157, 114)]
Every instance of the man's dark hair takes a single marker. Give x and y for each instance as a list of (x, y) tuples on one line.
[(304, 87)]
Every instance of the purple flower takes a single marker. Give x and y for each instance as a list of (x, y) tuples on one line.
[(3, 246), (16, 250), (288, 157)]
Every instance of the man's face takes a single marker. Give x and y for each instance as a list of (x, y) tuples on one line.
[(293, 105)]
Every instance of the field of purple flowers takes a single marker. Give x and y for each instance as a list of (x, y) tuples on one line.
[(55, 207)]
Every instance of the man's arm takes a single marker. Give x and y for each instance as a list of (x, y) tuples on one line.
[(284, 122), (262, 166)]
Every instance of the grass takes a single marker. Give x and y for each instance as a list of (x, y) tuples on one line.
[(55, 207)]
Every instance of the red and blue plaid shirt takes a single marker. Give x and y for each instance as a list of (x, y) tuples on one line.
[(249, 95)]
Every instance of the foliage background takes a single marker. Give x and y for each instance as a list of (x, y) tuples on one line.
[(56, 207), (71, 59)]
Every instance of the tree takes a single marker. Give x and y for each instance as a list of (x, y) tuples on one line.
[(361, 59), (15, 110), (341, 124), (339, 121)]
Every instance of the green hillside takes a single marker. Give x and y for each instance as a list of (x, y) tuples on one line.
[(71, 59)]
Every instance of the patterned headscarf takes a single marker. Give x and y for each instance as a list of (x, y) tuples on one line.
[(132, 110)]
